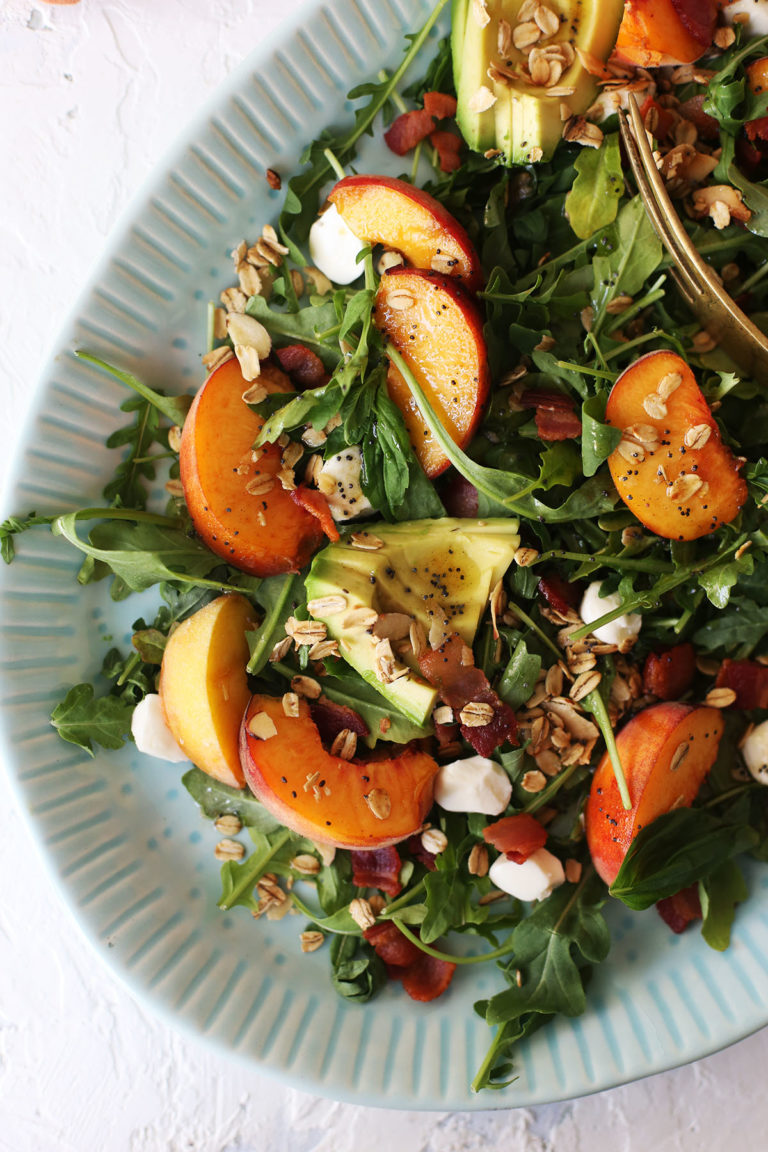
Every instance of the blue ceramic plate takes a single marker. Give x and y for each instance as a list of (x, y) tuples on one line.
[(132, 857)]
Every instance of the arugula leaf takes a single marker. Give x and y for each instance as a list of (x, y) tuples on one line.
[(126, 488), (140, 549), (519, 677), (598, 440), (272, 853), (676, 850), (303, 327), (357, 973), (343, 685), (746, 623), (594, 199), (547, 945), (84, 719), (717, 582), (719, 894), (217, 799), (14, 526), (276, 595)]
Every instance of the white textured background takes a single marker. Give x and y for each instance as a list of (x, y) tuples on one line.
[(90, 98)]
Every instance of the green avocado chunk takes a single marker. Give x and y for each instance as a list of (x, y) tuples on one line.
[(428, 570), (520, 107)]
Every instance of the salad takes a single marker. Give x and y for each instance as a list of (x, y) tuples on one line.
[(461, 580)]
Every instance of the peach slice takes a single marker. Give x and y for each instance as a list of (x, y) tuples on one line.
[(656, 32), (671, 468), (204, 687), (438, 330), (384, 210), (349, 803), (666, 751), (237, 504)]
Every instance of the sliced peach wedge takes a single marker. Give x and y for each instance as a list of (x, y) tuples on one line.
[(348, 803), (204, 686), (666, 751), (237, 504), (671, 467), (438, 330), (388, 211), (656, 32)]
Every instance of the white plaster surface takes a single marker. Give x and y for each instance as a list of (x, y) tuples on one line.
[(90, 97)]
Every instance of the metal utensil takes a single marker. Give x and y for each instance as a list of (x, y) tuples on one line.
[(697, 281)]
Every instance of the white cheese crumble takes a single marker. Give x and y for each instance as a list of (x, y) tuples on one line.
[(756, 10), (622, 631), (334, 248), (151, 733), (535, 879), (755, 753), (339, 481), (475, 784)]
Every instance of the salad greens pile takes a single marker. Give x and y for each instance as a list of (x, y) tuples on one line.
[(561, 242)]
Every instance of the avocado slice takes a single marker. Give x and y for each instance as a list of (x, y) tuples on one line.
[(421, 568), (525, 121)]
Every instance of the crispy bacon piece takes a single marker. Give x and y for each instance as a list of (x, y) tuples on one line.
[(461, 683), (389, 943), (330, 719), (417, 850), (680, 910), (316, 503), (424, 977), (448, 146), (699, 18), (304, 366), (693, 110), (559, 594), (518, 837), (555, 414), (748, 679), (460, 497), (407, 130), (664, 118), (757, 129), (440, 105), (669, 673), (427, 977), (377, 868)]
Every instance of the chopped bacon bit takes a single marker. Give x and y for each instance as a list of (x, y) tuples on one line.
[(440, 105), (669, 673), (705, 124), (408, 130), (757, 129), (560, 594), (555, 414), (330, 719), (680, 910), (316, 504), (664, 118), (417, 850), (460, 497), (427, 977), (748, 679), (460, 683), (448, 146), (304, 366), (424, 977), (518, 837), (446, 734), (391, 945), (377, 868)]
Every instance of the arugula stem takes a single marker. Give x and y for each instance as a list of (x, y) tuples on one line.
[(174, 408), (755, 277), (737, 791), (583, 370), (262, 648), (484, 1070), (494, 955), (516, 610), (595, 703), (404, 899), (210, 320), (334, 163), (396, 98), (564, 258), (469, 470), (654, 334), (415, 164), (598, 559), (655, 292)]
